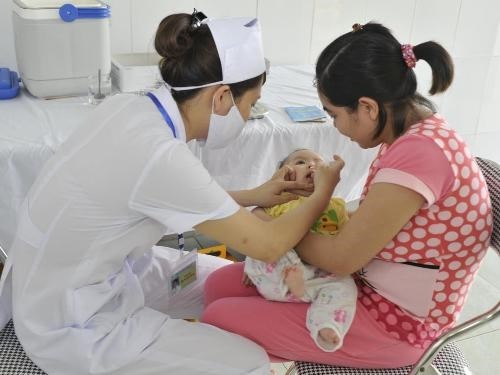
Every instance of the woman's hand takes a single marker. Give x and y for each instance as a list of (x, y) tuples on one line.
[(281, 188), (327, 176)]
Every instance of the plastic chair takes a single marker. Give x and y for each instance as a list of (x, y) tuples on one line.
[(3, 255), (443, 357)]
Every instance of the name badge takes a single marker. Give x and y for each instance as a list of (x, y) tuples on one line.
[(184, 272)]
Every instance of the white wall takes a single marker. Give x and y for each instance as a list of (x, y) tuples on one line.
[(295, 31), (7, 54)]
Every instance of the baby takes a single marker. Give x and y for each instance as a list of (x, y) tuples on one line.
[(333, 299)]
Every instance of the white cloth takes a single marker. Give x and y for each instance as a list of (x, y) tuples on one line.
[(333, 299), (86, 286), (33, 129)]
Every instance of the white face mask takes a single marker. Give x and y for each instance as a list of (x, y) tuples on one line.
[(224, 129)]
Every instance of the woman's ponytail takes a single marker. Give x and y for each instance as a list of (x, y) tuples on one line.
[(440, 62)]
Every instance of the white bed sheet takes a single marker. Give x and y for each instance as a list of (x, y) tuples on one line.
[(31, 130)]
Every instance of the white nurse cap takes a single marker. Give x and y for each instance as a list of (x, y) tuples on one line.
[(239, 45)]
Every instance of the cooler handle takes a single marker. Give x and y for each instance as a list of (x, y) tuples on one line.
[(69, 13)]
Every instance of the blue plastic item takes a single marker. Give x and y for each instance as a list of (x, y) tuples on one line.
[(9, 84), (69, 13)]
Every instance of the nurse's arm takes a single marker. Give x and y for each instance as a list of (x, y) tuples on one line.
[(380, 217), (269, 240), (265, 240), (275, 191)]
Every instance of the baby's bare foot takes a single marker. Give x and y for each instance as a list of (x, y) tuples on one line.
[(294, 280), (329, 336)]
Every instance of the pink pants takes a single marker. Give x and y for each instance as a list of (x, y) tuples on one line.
[(280, 327)]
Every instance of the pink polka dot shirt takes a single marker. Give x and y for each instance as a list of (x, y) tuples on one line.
[(438, 252)]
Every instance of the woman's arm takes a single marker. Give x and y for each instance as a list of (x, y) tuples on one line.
[(384, 212), (260, 213)]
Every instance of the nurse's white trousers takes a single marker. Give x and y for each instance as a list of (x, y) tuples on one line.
[(185, 348), (180, 347)]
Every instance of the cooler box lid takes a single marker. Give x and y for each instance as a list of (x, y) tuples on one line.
[(56, 4), (67, 12)]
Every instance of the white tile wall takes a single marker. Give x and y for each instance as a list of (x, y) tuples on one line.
[(496, 49), (397, 15), (226, 8), (331, 19), (286, 29), (435, 20), (295, 32), (7, 52), (147, 14), (477, 28), (489, 120), (424, 82), (462, 102), (121, 26), (487, 145)]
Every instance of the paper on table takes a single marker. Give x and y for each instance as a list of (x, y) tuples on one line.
[(305, 113)]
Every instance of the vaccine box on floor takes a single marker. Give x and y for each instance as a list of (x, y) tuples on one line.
[(60, 43), (135, 72)]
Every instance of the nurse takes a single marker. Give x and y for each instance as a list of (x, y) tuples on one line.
[(90, 292)]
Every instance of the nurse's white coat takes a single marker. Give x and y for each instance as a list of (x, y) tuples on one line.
[(89, 294)]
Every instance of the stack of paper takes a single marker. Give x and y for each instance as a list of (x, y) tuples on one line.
[(305, 113)]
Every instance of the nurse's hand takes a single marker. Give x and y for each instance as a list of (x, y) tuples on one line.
[(296, 188), (281, 188)]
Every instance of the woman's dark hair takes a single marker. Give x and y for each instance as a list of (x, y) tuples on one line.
[(190, 58), (368, 62)]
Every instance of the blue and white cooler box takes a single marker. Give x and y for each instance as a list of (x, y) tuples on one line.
[(60, 44)]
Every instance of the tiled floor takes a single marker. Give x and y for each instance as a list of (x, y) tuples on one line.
[(480, 348)]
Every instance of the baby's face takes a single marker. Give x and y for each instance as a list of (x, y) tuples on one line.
[(304, 163)]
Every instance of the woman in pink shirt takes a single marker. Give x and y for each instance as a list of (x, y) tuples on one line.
[(422, 228)]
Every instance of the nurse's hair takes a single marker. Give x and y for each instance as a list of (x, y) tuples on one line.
[(369, 61), (190, 57)]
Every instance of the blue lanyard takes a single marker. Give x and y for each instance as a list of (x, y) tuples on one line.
[(168, 120), (163, 112)]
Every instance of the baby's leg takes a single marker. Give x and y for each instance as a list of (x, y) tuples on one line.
[(294, 280), (273, 281), (329, 337), (269, 278), (331, 313)]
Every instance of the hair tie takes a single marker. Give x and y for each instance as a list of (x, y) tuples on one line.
[(408, 55), (197, 18), (357, 27)]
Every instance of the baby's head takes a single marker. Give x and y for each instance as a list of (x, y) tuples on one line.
[(303, 161)]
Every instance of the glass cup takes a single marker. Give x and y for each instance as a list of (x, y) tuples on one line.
[(99, 86)]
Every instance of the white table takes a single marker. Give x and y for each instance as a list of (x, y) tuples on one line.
[(31, 130)]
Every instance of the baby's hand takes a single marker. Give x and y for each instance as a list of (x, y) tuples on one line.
[(246, 280)]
